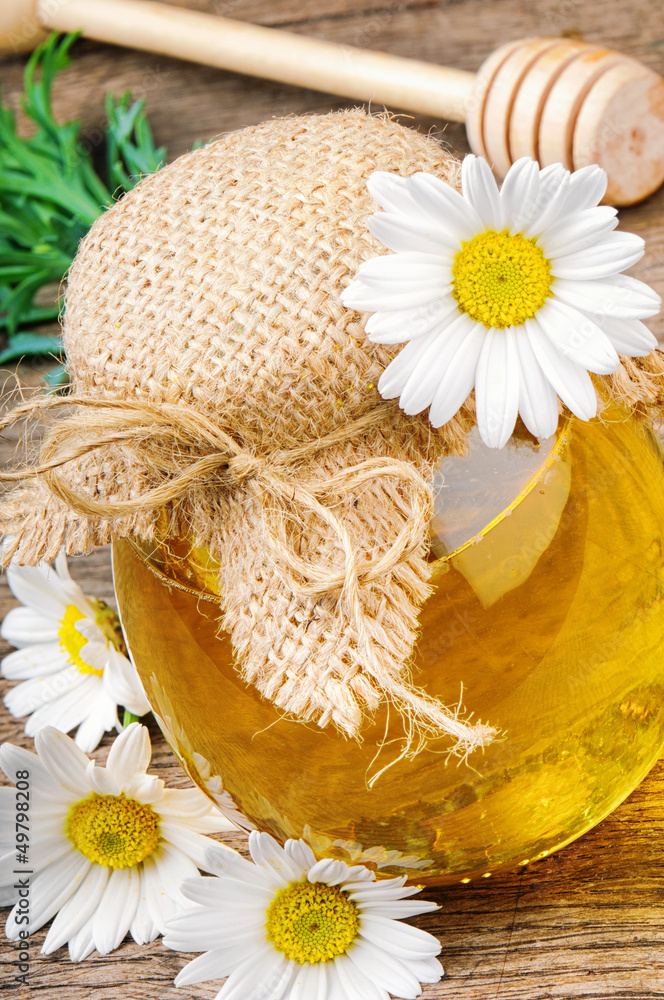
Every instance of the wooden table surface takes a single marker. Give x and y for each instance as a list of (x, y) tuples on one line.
[(589, 921)]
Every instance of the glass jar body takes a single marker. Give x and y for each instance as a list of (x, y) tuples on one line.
[(546, 612)]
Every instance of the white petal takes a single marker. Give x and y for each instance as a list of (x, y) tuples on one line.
[(446, 350), (159, 904), (401, 940), (427, 970), (116, 910), (538, 402), (101, 780), (383, 969), (300, 854), (622, 297), (360, 296), (27, 697), (360, 873), (355, 985), (554, 185), (7, 803), (629, 336), (130, 754), (480, 188), (81, 944), (269, 965), (385, 890), (183, 804), (222, 892), (101, 718), (328, 871), (310, 984), (123, 683), (211, 965), (271, 857), (578, 337), (68, 710), (34, 661), (336, 988), (404, 269), (63, 760), (48, 797), (95, 654), (399, 909), (191, 844), (452, 213), (23, 627), (618, 252), (571, 382), (230, 865), (78, 909), (89, 629), (62, 567), (48, 845), (214, 930), (586, 189), (497, 387), (519, 195), (571, 235), (142, 929), (391, 192), (8, 895), (49, 890), (391, 383), (13, 759), (458, 378), (173, 867), (38, 589), (407, 324), (401, 234)]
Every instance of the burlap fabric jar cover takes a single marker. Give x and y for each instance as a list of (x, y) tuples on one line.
[(221, 393)]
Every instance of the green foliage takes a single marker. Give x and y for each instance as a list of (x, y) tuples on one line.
[(51, 193)]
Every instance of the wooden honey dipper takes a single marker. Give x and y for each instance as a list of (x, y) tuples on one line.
[(549, 98)]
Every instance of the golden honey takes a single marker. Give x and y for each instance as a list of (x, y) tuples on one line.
[(546, 621)]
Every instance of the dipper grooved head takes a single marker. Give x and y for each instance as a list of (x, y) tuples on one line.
[(575, 104)]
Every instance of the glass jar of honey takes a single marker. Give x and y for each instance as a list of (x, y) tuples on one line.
[(546, 621)]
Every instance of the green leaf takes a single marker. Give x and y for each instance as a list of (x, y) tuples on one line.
[(23, 345), (131, 153), (50, 191)]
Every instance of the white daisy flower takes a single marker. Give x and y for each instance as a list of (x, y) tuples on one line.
[(516, 293), (108, 846), (70, 656), (293, 928)]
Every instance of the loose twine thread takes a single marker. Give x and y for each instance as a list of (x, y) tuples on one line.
[(168, 440)]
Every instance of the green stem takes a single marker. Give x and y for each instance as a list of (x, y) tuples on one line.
[(128, 718)]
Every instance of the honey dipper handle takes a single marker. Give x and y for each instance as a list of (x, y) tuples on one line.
[(266, 52)]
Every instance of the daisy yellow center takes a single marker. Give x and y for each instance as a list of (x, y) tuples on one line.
[(501, 280), (310, 922), (113, 831), (72, 642)]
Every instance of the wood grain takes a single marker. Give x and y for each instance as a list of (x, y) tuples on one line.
[(589, 921)]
